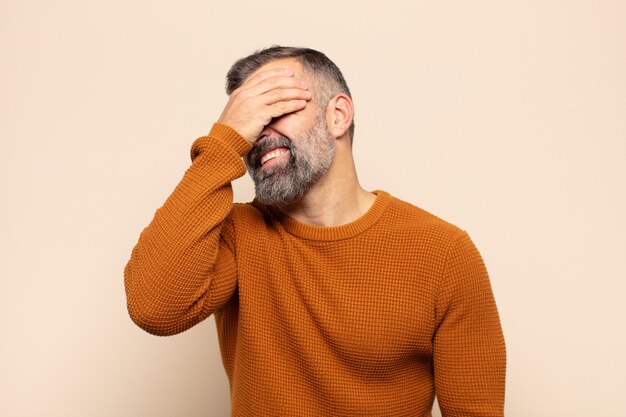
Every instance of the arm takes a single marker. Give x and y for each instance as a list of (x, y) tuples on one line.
[(183, 266), (469, 348)]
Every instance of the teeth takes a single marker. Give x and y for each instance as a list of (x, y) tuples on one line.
[(271, 155)]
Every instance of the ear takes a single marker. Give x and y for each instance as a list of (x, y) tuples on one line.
[(339, 114)]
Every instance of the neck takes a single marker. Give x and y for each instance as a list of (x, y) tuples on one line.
[(336, 199)]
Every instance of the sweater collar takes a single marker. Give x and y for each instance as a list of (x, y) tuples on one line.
[(344, 231)]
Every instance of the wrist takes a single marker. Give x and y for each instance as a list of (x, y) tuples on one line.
[(230, 137)]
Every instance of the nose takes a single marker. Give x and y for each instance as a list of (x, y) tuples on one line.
[(268, 131)]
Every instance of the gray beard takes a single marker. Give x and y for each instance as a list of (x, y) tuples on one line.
[(308, 162)]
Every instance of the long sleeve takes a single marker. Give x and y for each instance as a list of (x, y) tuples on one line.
[(183, 266), (469, 347)]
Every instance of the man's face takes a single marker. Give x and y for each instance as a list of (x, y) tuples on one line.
[(294, 150), (284, 168)]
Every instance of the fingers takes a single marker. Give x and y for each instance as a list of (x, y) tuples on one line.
[(284, 94), (278, 71), (263, 97), (284, 107), (276, 82), (269, 80), (271, 90), (276, 103)]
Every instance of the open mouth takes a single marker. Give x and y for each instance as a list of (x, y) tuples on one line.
[(270, 156)]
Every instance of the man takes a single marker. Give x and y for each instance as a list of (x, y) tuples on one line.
[(329, 300)]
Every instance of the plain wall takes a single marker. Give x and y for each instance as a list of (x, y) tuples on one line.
[(507, 119)]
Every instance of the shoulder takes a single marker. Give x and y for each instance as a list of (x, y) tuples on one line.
[(410, 215), (252, 217), (246, 210), (414, 222), (248, 215)]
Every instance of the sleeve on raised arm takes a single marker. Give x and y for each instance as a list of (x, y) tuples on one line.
[(469, 348), (183, 266)]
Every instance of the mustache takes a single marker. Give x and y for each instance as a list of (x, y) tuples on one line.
[(267, 144)]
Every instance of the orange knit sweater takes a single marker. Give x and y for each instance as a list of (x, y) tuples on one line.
[(371, 318)]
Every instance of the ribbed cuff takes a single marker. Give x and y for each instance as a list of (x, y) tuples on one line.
[(231, 137), (224, 134)]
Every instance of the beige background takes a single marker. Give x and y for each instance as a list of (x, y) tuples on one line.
[(505, 118)]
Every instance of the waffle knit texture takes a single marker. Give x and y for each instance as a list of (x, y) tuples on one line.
[(371, 318)]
